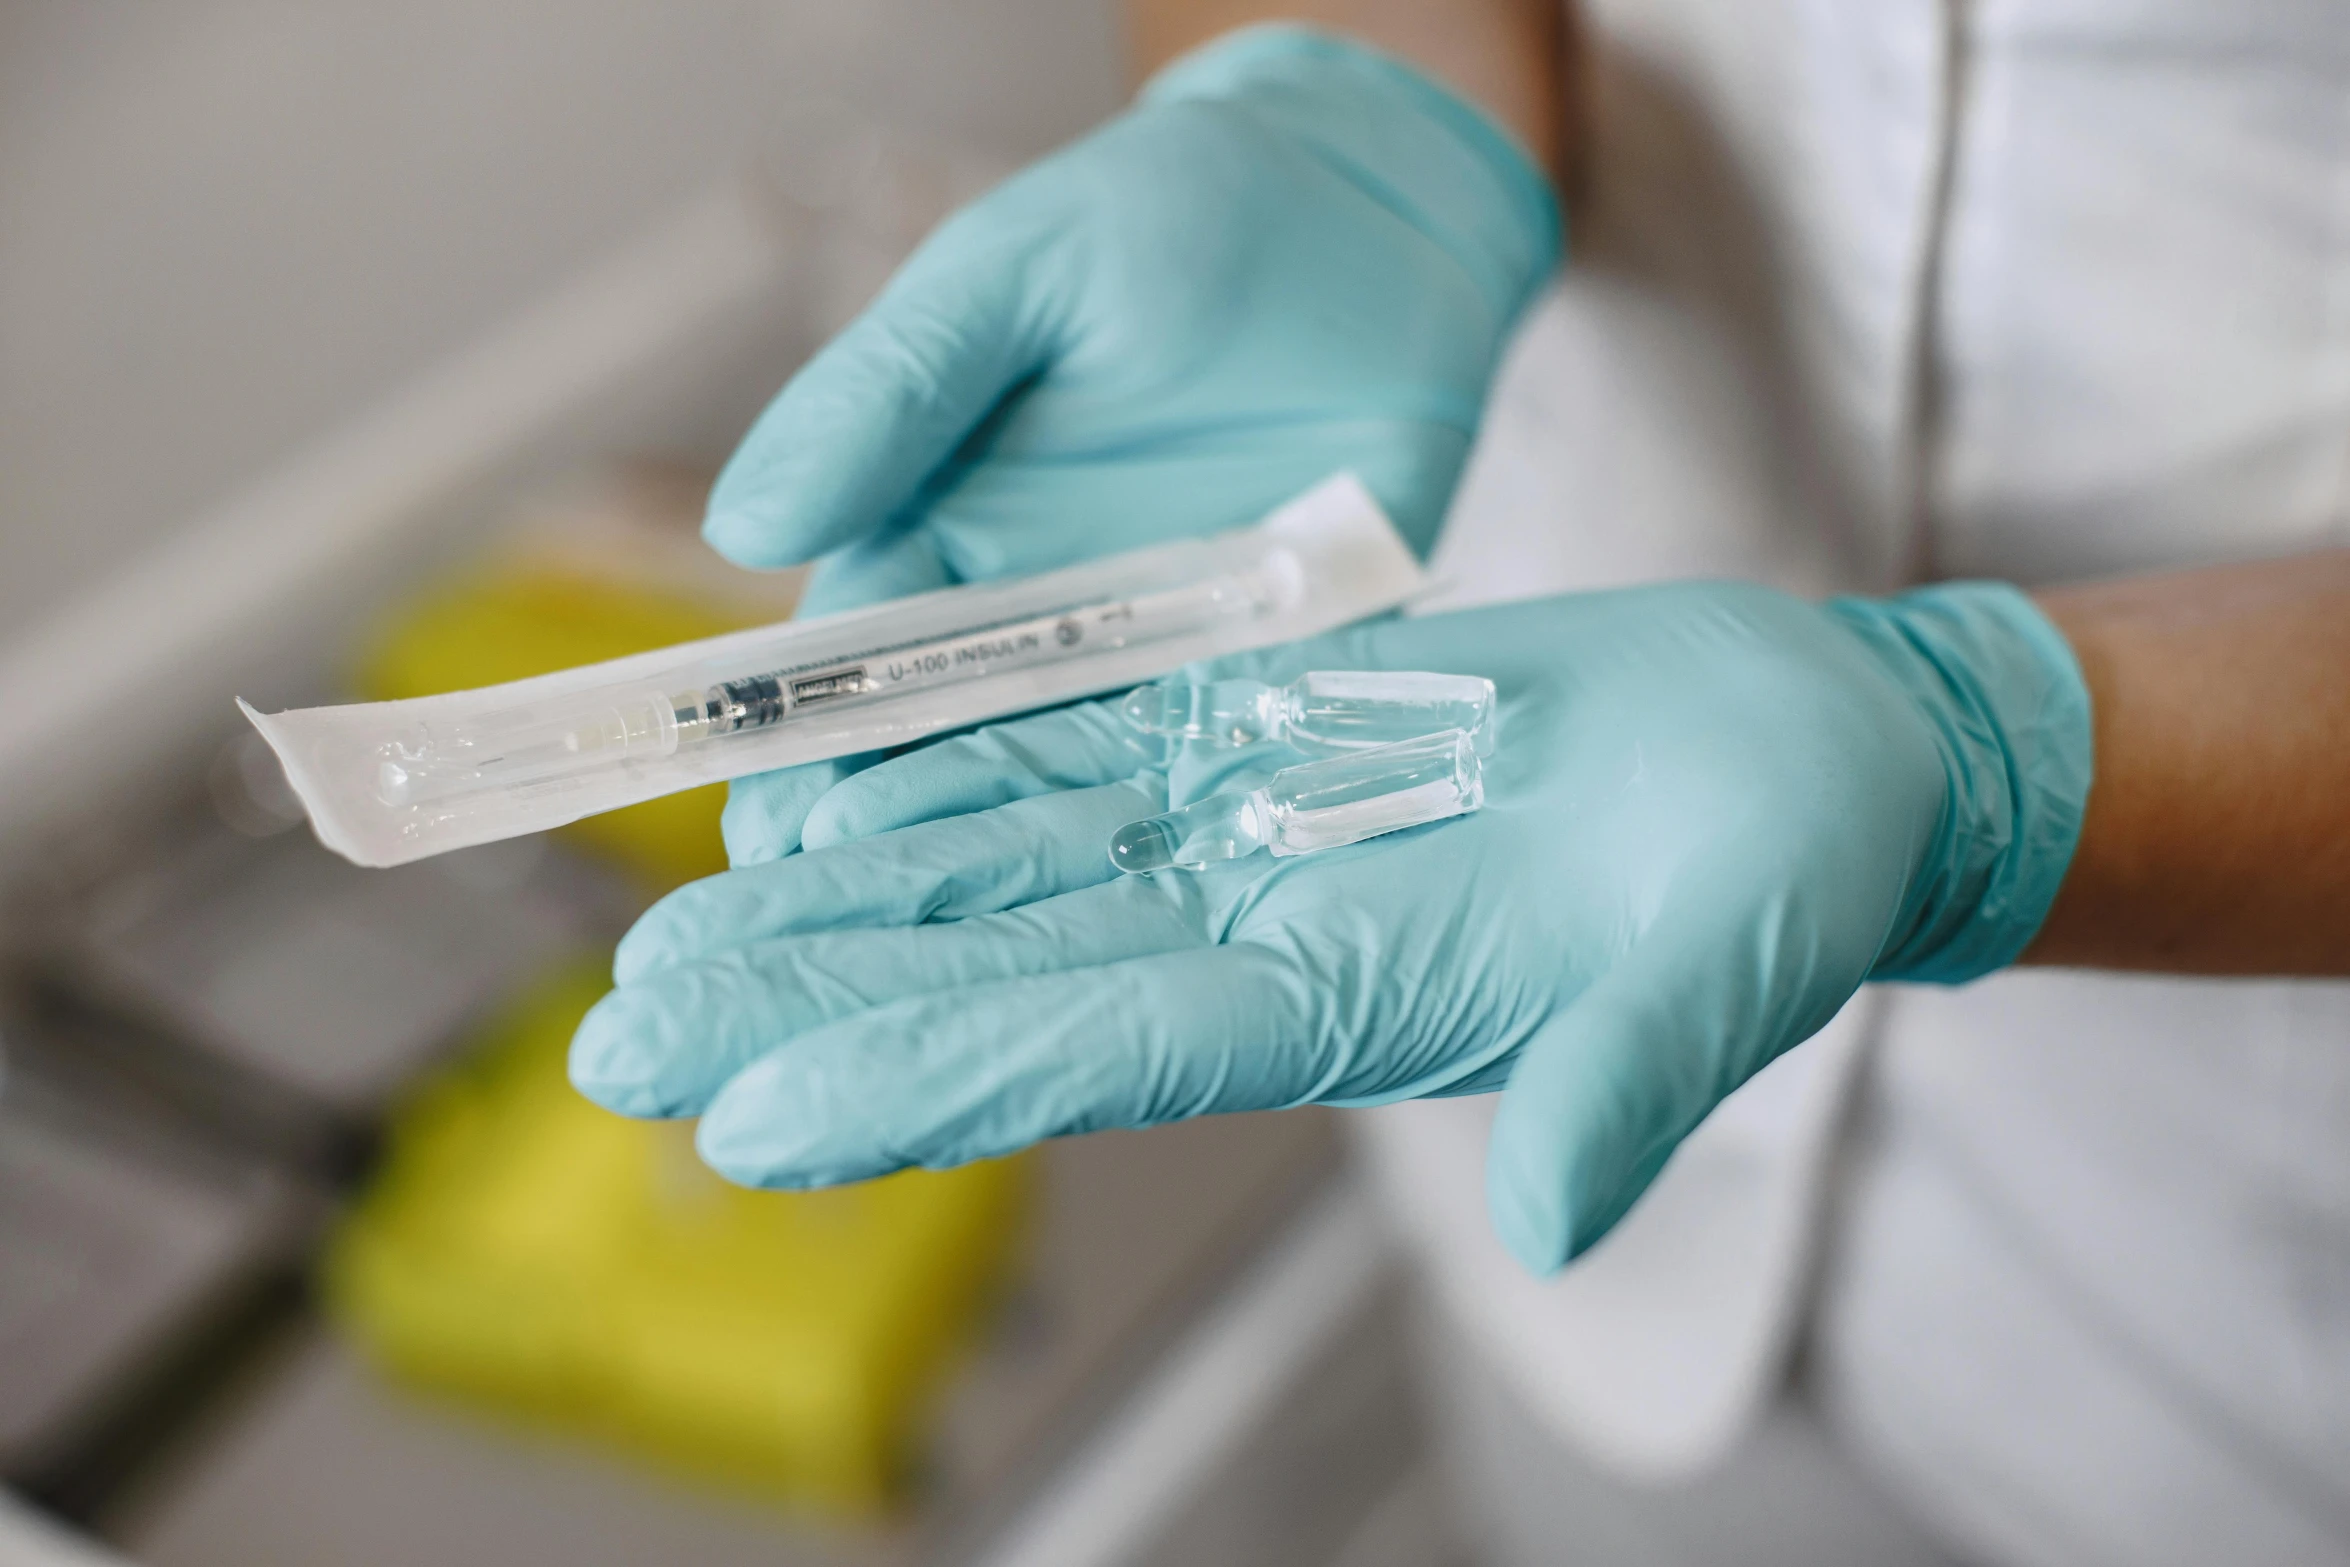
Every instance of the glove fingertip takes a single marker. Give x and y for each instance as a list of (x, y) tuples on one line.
[(761, 820), (769, 506), (754, 537), (689, 923), (753, 1136), (1576, 1137), (767, 814), (1544, 1214), (832, 822), (643, 947), (607, 1063), (853, 437), (1525, 1196), (877, 802)]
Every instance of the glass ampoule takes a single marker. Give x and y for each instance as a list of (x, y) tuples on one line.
[(1328, 710), (1316, 805)]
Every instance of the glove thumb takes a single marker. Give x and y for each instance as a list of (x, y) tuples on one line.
[(867, 422), (1605, 1091)]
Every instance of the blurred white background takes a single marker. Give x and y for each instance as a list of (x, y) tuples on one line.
[(226, 226)]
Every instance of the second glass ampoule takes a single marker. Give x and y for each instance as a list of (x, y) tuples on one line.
[(1328, 711), (1316, 805)]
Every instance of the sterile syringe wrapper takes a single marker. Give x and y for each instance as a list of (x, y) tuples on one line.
[(390, 782)]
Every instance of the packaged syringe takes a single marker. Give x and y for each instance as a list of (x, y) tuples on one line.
[(390, 782)]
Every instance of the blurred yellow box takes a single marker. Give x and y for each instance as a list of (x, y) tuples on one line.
[(545, 1258)]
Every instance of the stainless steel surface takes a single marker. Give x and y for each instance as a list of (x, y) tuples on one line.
[(127, 1239), (335, 983)]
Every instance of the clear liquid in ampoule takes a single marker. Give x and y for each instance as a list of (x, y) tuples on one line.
[(1319, 805), (1331, 711)]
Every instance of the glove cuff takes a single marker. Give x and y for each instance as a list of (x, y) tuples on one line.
[(1441, 162), (2010, 709)]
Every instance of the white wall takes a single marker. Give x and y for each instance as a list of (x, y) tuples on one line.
[(226, 225)]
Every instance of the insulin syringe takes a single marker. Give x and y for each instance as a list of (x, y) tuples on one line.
[(567, 737)]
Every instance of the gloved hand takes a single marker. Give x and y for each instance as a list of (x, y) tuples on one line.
[(1714, 810), (1292, 255)]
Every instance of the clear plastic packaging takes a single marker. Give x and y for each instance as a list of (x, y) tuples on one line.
[(555, 739), (390, 782), (1329, 711), (1316, 805)]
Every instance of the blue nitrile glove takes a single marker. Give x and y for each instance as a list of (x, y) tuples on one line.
[(1292, 255), (1714, 810)]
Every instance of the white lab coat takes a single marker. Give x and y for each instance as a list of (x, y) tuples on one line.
[(1873, 290)]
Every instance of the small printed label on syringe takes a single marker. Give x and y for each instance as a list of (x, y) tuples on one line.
[(838, 682), (1043, 637), (938, 661), (876, 674)]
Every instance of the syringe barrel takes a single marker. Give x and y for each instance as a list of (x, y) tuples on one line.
[(731, 706), (756, 701)]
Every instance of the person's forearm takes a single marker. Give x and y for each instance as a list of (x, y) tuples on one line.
[(1506, 55), (2217, 839)]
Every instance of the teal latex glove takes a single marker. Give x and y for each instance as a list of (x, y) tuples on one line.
[(1713, 812), (1292, 255)]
